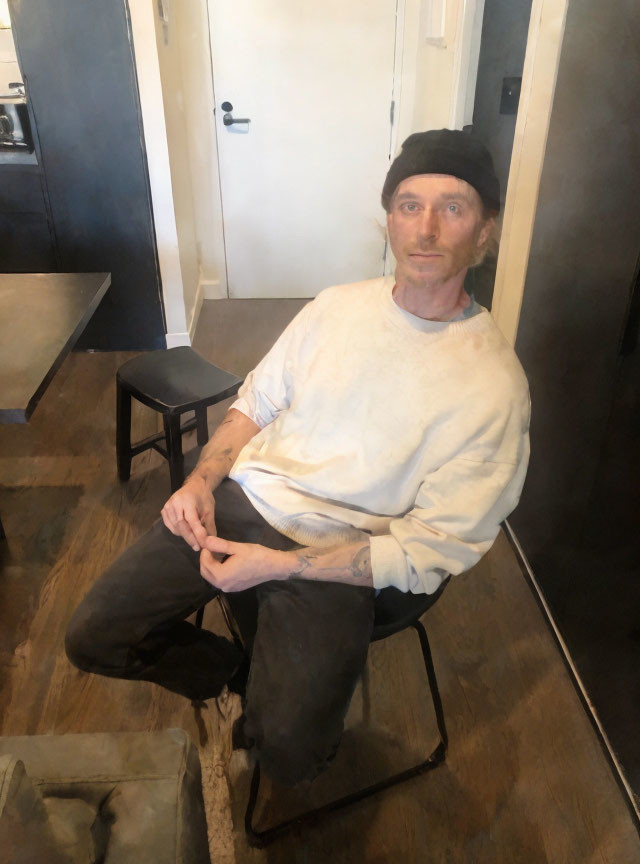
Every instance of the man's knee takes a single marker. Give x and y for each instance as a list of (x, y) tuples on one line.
[(88, 641)]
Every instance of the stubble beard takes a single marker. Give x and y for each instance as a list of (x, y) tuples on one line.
[(461, 260), (413, 278), (419, 281)]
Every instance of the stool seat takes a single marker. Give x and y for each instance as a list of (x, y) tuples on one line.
[(176, 380), (171, 382)]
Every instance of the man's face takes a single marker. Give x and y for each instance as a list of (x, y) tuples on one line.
[(435, 227)]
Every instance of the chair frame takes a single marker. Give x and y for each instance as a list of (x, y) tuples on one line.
[(260, 837)]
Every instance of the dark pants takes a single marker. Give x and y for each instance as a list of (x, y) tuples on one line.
[(308, 640)]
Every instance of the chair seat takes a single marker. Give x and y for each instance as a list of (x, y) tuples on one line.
[(395, 610), (176, 380)]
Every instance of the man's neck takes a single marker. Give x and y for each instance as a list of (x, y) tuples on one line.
[(440, 302)]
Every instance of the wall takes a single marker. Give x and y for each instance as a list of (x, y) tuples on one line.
[(155, 136), (178, 133), (176, 90), (434, 74), (444, 69), (581, 268), (197, 90)]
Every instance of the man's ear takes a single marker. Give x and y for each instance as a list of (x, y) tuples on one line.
[(485, 231)]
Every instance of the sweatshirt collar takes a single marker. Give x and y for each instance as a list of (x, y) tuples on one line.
[(424, 325)]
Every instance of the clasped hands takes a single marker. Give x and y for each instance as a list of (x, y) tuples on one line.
[(229, 566)]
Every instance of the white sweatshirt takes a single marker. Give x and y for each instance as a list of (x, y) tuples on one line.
[(376, 423)]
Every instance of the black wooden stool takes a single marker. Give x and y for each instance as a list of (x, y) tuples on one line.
[(394, 611), (171, 382)]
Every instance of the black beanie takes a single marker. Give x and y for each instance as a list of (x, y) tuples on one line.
[(445, 151)]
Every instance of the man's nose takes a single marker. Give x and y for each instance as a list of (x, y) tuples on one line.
[(429, 224)]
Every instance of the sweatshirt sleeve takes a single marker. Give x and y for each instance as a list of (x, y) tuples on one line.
[(454, 522), (267, 389)]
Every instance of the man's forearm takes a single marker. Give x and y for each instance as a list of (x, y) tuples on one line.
[(246, 565), (222, 449), (350, 564)]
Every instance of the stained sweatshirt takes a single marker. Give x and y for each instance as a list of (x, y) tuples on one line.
[(378, 424)]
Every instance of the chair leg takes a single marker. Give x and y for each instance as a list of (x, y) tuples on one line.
[(173, 437), (202, 435), (260, 838), (123, 432), (231, 625), (433, 685), (233, 630)]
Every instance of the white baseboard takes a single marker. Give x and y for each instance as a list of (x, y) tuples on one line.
[(213, 290), (206, 291), (175, 340)]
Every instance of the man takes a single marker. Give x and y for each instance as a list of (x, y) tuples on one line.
[(379, 443)]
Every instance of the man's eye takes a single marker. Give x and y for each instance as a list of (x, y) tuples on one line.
[(409, 207), (454, 208)]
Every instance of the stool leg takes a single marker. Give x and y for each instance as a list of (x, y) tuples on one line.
[(174, 449), (123, 432), (202, 426)]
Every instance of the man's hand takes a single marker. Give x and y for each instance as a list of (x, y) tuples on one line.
[(246, 564), (190, 513)]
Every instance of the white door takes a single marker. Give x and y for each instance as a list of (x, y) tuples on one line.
[(301, 181)]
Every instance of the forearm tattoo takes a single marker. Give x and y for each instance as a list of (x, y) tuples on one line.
[(320, 565), (215, 465)]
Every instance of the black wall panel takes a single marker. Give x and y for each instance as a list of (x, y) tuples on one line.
[(76, 57), (582, 265), (579, 515)]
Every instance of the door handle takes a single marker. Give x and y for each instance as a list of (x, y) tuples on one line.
[(228, 119)]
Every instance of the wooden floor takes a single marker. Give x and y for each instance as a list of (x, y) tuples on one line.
[(525, 779)]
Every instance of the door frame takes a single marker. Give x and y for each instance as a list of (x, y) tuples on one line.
[(542, 58)]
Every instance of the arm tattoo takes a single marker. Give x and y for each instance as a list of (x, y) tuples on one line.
[(361, 565), (356, 571), (214, 464), (221, 455)]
